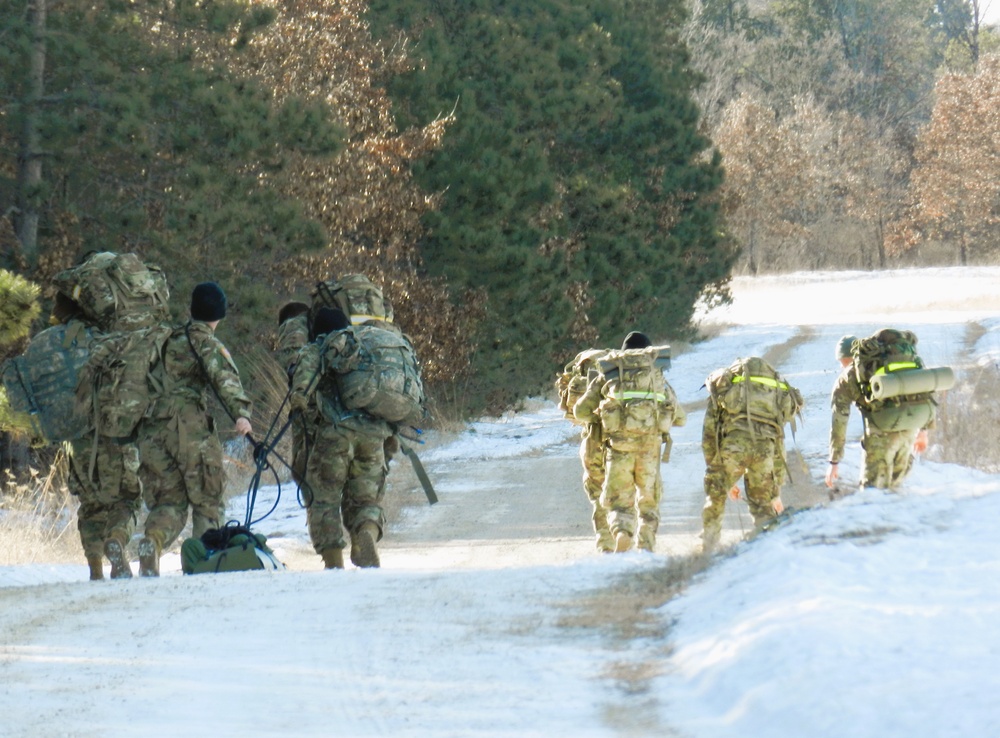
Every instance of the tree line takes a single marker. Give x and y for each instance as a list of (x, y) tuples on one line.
[(523, 178)]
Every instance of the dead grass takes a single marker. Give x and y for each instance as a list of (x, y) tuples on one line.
[(625, 607), (967, 431), (38, 519)]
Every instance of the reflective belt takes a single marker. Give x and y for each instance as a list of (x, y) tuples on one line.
[(896, 366), (637, 395), (359, 318), (766, 381)]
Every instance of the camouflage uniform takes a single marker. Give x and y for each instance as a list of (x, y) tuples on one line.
[(632, 490), (592, 458), (110, 502), (737, 445), (180, 450), (341, 464), (886, 457)]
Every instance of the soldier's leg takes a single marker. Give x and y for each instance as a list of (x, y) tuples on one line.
[(90, 516), (762, 483), (592, 458), (326, 475), (362, 505), (875, 470), (164, 493), (120, 492), (649, 493), (205, 483), (618, 495), (900, 456), (720, 475)]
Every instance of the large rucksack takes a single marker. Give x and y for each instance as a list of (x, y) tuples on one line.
[(230, 548), (42, 381), (385, 381), (356, 295), (116, 292), (636, 401), (753, 390), (574, 379), (119, 383), (883, 353)]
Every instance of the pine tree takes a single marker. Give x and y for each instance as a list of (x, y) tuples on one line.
[(577, 193)]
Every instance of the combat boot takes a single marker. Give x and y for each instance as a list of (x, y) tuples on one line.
[(96, 564), (333, 558), (115, 551), (623, 541), (363, 551), (149, 557)]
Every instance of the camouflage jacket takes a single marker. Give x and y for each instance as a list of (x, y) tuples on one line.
[(195, 362), (293, 334), (588, 408), (846, 392)]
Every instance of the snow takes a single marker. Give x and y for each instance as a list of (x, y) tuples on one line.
[(868, 616)]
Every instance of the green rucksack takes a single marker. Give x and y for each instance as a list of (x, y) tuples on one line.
[(885, 352), (116, 292), (356, 296), (230, 548), (42, 381), (752, 389), (574, 379), (636, 401), (119, 383), (385, 381)]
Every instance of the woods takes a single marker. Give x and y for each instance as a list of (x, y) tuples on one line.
[(522, 178)]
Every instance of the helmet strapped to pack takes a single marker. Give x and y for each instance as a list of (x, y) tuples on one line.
[(355, 294)]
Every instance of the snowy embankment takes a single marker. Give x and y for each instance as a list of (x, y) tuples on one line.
[(870, 616)]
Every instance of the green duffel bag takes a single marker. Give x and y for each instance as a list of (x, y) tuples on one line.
[(232, 548)]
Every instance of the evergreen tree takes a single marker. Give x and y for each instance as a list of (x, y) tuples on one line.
[(577, 193)]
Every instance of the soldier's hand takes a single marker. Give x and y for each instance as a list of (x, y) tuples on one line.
[(734, 492), (243, 426), (831, 475), (777, 505), (920, 444)]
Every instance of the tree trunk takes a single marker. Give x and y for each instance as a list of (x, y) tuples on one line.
[(29, 175)]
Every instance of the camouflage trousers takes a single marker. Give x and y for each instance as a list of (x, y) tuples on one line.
[(342, 474), (632, 488), (741, 456), (592, 458), (110, 502), (181, 468), (886, 458)]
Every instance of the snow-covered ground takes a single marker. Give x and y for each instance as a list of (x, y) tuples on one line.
[(870, 616)]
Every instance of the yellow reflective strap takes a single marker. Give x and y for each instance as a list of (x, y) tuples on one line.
[(358, 319), (638, 395), (896, 366), (766, 381)]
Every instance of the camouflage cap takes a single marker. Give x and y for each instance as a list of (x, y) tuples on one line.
[(844, 347)]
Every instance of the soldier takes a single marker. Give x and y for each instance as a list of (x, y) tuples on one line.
[(887, 455), (636, 409), (104, 475), (571, 384), (342, 465), (743, 437), (179, 447)]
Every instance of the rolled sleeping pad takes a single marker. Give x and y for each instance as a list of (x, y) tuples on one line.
[(662, 362), (912, 382)]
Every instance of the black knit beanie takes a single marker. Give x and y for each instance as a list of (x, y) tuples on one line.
[(208, 302), (328, 320), (291, 310), (636, 340)]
